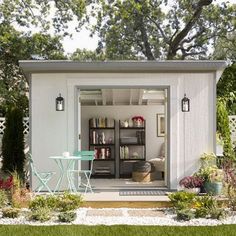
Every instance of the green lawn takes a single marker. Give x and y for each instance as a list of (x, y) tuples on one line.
[(120, 230)]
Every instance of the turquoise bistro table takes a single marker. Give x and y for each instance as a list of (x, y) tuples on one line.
[(65, 165)]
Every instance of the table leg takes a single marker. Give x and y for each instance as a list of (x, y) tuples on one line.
[(61, 167), (70, 168)]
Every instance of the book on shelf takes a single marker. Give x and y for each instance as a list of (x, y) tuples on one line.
[(102, 170), (101, 122), (140, 137), (102, 153)]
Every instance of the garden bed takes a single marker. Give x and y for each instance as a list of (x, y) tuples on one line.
[(125, 216)]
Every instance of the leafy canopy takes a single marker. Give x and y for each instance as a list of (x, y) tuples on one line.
[(158, 29), (17, 46)]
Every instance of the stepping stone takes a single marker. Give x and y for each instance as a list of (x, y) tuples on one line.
[(147, 213), (108, 213)]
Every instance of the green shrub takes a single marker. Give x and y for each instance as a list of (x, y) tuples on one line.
[(207, 207), (38, 202), (42, 201), (67, 216), (205, 201), (218, 213), (224, 129), (185, 214), (13, 143), (232, 201), (65, 202), (10, 212), (181, 200), (69, 202), (202, 212), (51, 202), (41, 214), (3, 198), (204, 205)]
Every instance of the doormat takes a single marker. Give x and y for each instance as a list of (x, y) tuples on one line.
[(142, 193)]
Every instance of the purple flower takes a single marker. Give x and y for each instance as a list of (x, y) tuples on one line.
[(191, 182)]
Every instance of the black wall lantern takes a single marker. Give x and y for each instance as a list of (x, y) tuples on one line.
[(60, 103), (185, 103)]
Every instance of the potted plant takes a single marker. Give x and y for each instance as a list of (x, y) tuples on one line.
[(191, 184), (208, 159), (213, 178)]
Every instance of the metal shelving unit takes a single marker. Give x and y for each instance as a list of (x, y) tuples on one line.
[(126, 161), (104, 165)]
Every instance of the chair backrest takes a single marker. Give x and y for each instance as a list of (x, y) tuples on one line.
[(34, 171), (85, 155)]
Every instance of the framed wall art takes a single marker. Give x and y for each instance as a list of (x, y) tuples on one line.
[(160, 125)]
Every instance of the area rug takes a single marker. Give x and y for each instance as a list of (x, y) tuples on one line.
[(142, 193)]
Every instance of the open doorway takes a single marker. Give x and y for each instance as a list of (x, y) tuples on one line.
[(125, 126)]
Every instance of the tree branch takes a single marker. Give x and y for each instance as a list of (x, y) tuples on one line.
[(189, 40), (183, 33), (159, 28), (140, 23)]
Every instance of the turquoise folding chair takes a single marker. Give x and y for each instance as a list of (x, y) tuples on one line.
[(84, 175), (43, 177)]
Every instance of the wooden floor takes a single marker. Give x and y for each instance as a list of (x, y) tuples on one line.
[(115, 184), (107, 199), (107, 194)]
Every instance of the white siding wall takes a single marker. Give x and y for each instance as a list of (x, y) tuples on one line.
[(196, 126), (190, 133)]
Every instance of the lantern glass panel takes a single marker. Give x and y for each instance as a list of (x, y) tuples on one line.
[(185, 104), (60, 103)]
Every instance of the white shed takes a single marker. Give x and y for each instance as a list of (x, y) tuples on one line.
[(119, 91)]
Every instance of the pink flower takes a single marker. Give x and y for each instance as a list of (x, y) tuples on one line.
[(6, 184)]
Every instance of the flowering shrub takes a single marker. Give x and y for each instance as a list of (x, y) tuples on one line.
[(208, 156), (191, 182), (216, 175), (211, 174), (7, 183), (208, 159)]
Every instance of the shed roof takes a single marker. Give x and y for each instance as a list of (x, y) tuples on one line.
[(65, 66)]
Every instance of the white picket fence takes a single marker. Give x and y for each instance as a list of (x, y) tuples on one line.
[(25, 123), (232, 125), (27, 139)]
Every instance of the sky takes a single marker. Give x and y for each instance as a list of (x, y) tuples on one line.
[(83, 40)]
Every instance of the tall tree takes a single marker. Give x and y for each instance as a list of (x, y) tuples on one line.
[(226, 88), (87, 55), (154, 29), (43, 13), (42, 16), (17, 46), (13, 143), (225, 48)]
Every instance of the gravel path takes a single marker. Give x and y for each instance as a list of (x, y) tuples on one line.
[(125, 216)]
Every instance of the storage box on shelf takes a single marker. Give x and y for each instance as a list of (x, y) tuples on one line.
[(132, 147), (102, 140)]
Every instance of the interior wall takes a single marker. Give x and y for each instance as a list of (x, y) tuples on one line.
[(153, 143)]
